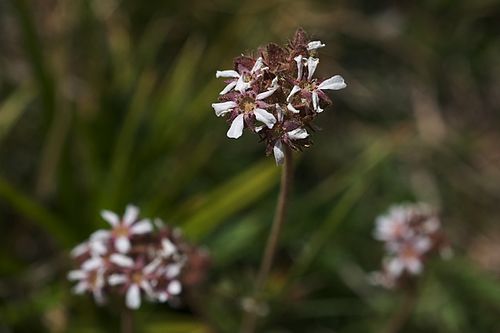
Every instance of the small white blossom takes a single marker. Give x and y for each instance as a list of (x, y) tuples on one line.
[(316, 44), (410, 233), (241, 82), (89, 280), (123, 229)]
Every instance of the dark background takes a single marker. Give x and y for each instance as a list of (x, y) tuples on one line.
[(107, 102)]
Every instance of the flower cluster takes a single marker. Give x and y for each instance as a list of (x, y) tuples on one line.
[(276, 94), (134, 258), (411, 233)]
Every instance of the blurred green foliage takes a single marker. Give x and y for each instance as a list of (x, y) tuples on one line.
[(107, 102)]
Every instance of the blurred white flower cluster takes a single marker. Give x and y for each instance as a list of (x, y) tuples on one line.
[(411, 233), (135, 258)]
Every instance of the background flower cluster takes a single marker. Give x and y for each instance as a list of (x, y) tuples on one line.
[(411, 233), (135, 258)]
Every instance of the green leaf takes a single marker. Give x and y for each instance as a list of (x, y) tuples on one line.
[(237, 193)]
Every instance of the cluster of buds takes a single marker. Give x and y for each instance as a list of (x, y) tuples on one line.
[(411, 233), (136, 258), (276, 94)]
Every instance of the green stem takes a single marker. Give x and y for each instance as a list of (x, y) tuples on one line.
[(250, 316)]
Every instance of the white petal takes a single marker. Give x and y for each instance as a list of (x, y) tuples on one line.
[(315, 100), (414, 266), (80, 288), (131, 214), (228, 88), (121, 260), (291, 108), (300, 66), (395, 267), (97, 247), (241, 85), (279, 112), (100, 235), (297, 134), (79, 250), (265, 94), (422, 244), (122, 244), (279, 154), (265, 117), (133, 298), (227, 73), (334, 83), (92, 263), (162, 297), (223, 108), (141, 227), (274, 83), (116, 279), (152, 266), (148, 289), (316, 44), (77, 275), (173, 270), (258, 65), (174, 287), (236, 129), (110, 217), (312, 63), (431, 225), (295, 90), (168, 247)]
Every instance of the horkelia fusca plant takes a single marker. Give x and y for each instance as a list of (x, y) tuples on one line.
[(412, 234), (136, 258), (276, 94)]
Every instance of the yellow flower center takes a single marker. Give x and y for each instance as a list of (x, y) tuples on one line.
[(247, 105), (136, 277), (121, 231)]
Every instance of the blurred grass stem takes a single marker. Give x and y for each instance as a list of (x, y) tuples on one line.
[(250, 316)]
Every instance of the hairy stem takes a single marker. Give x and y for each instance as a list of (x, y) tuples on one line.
[(250, 316), (127, 320)]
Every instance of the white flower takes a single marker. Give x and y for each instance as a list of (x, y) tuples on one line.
[(96, 246), (249, 108), (135, 281), (316, 44), (408, 258), (311, 63), (336, 82), (392, 228), (241, 82), (90, 279), (168, 248), (173, 288), (296, 134), (123, 229)]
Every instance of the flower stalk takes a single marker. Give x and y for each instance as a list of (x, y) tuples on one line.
[(250, 316), (127, 320)]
